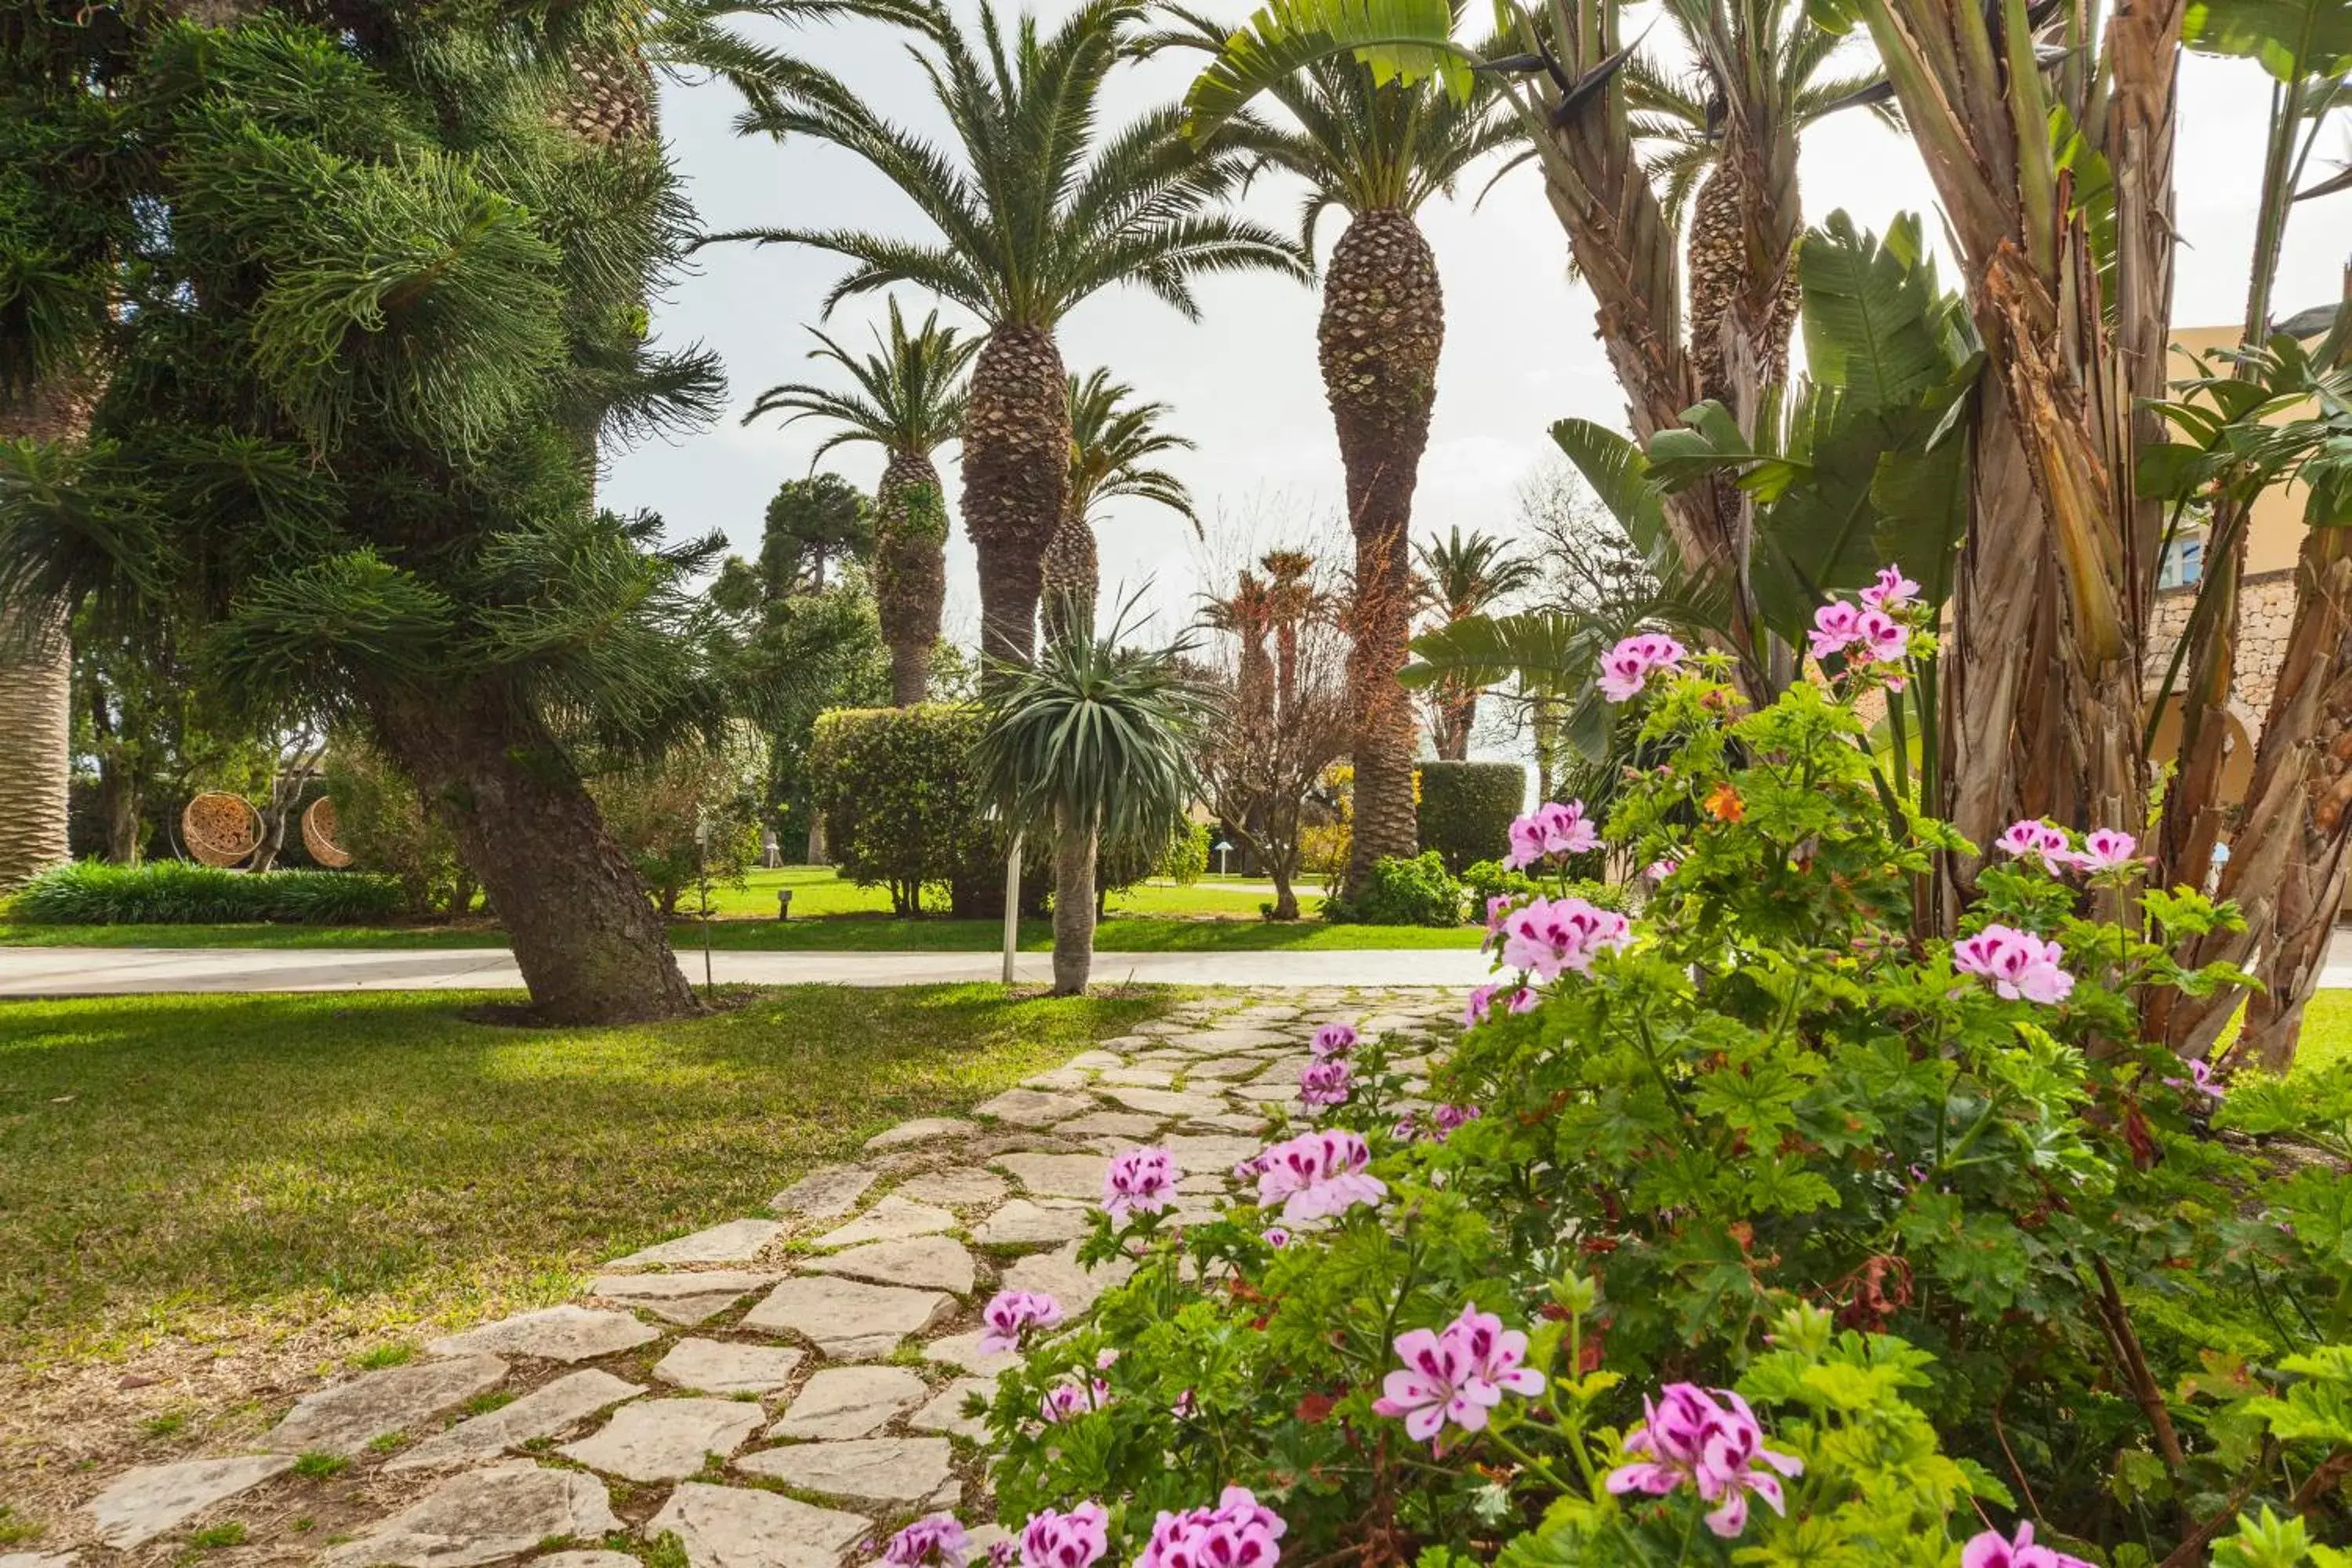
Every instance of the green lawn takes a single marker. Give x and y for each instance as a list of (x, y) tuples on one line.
[(227, 1167), (829, 933), (817, 890)]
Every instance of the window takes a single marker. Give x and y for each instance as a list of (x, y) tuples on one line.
[(2184, 562)]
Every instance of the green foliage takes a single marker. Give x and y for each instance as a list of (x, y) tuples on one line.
[(381, 820), (910, 391), (902, 802), (695, 813), (811, 525), (177, 892), (1186, 859), (789, 658), (1487, 879), (1402, 892), (1466, 808)]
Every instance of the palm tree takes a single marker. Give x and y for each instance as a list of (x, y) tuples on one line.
[(1035, 207), (1094, 741), (1111, 447), (1461, 578), (910, 401), (1378, 153)]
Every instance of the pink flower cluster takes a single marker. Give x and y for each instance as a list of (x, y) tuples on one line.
[(1010, 1314), (1871, 632), (1142, 1181), (934, 1538), (1552, 934), (1628, 668), (1658, 871), (1078, 1539), (1448, 1119), (1239, 1532), (1317, 1174), (1711, 1442), (1991, 1549), (1326, 1084), (1481, 1006), (1554, 829), (2201, 1079), (2018, 962), (1065, 1400), (1333, 1040), (1456, 1375), (2104, 848)]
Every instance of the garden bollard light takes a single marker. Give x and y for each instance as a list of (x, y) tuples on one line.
[(784, 904)]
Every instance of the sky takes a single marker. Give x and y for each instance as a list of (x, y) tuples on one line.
[(1520, 346)]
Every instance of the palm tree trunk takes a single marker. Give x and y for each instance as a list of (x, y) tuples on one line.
[(1383, 325), (910, 573), (1073, 578), (584, 934), (1016, 480), (1074, 908), (36, 684)]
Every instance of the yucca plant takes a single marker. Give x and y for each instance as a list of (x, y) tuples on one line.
[(1112, 443), (1036, 207), (1092, 744), (909, 400)]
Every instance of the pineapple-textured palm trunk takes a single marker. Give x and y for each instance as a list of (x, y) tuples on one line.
[(1072, 578), (591, 948), (1016, 480), (1074, 906), (1383, 324), (911, 572), (35, 687)]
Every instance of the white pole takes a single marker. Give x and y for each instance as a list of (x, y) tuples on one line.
[(1012, 905)]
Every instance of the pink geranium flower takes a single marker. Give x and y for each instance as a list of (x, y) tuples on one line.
[(2019, 963), (1318, 1174), (1078, 1539), (1010, 1314), (936, 1538), (1882, 638), (1239, 1532), (2030, 840), (1456, 1376), (1835, 629), (1553, 830), (1447, 1119), (1276, 1237), (1066, 1401), (2200, 1080), (1142, 1181), (1334, 1040), (1710, 1442), (1892, 593), (1628, 666), (1991, 1549), (1553, 934), (1322, 1084), (2104, 850)]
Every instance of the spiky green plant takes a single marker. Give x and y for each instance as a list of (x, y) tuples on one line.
[(1112, 442)]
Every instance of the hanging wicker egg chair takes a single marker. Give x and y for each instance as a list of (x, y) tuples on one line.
[(318, 834), (220, 828)]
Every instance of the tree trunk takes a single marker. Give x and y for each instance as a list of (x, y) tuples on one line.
[(585, 935), (1286, 897), (1016, 480), (1074, 908), (35, 685), (118, 804), (1072, 572), (1383, 325), (2286, 866), (910, 574)]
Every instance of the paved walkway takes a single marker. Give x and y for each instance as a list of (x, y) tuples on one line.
[(121, 971), (780, 1390)]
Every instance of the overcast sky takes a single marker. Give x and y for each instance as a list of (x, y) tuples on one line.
[(1520, 350)]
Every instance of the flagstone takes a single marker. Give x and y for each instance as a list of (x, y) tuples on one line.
[(1232, 1038), (879, 1470), (345, 1417), (827, 1192), (1061, 1275), (141, 1504), (1223, 1067), (1063, 1078), (895, 1218), (581, 1560), (484, 1516), (1096, 1060), (1167, 1102), (37, 1558), (737, 1526), (723, 1366), (944, 1413), (963, 1351), (927, 1262), (1059, 1176), (737, 1241), (1210, 1151), (1034, 1108), (1239, 1122), (1112, 1123), (850, 1402), (665, 1439), (687, 1299), (542, 1413), (553, 1333), (922, 1129), (1023, 1223), (848, 1320), (1265, 1093), (965, 1186), (1141, 1077)]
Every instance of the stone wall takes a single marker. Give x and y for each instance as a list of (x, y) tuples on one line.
[(2265, 615)]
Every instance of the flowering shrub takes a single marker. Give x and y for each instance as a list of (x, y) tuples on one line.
[(1755, 1221)]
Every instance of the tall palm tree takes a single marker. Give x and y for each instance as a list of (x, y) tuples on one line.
[(1112, 443), (1035, 207), (1461, 578), (1293, 600), (1378, 152), (1094, 741), (910, 401)]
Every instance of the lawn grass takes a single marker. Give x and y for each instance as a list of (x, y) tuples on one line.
[(227, 1167), (828, 933), (818, 891)]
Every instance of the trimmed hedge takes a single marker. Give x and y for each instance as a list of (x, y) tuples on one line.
[(902, 807), (181, 892), (1466, 808)]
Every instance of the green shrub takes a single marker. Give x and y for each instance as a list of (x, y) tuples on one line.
[(1186, 860), (180, 892), (1401, 893), (1466, 809), (1489, 879), (380, 819), (902, 808), (655, 812)]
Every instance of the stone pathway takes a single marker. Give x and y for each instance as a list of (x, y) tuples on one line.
[(780, 1390)]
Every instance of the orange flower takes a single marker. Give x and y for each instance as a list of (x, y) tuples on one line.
[(1724, 805)]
